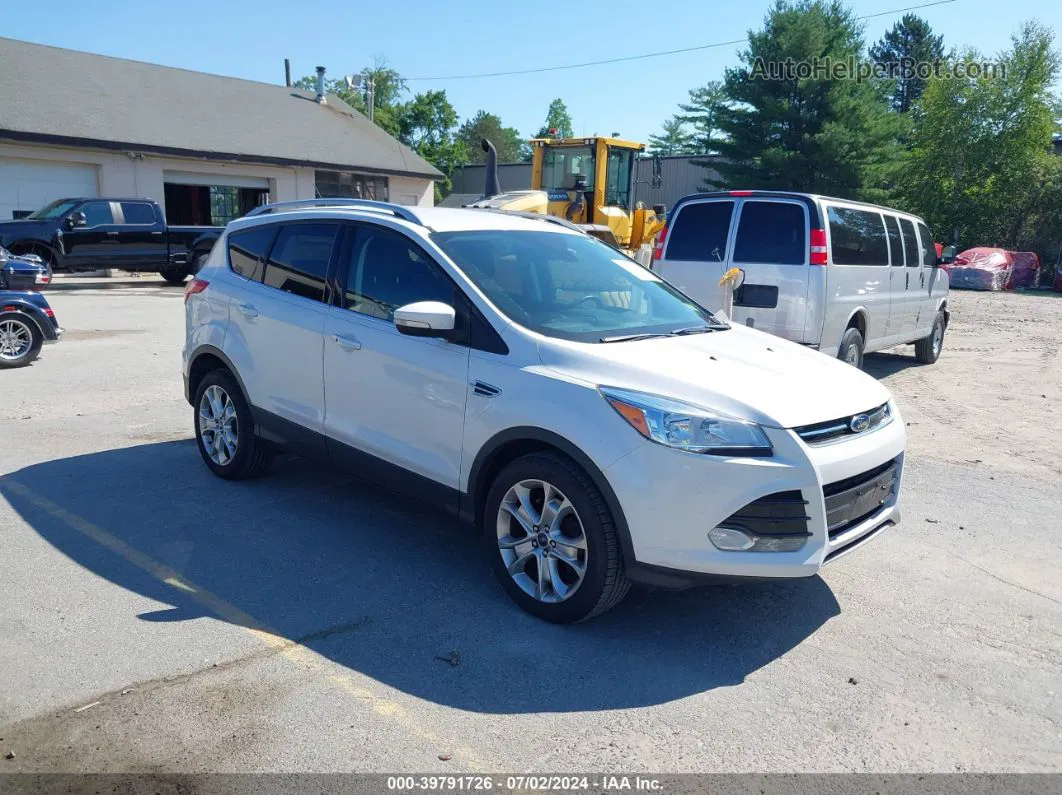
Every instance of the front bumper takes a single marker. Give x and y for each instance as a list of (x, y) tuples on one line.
[(671, 499)]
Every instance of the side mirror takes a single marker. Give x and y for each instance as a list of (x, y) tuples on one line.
[(426, 319), (75, 220), (948, 254), (657, 180)]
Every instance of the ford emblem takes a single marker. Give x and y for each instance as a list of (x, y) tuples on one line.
[(859, 423)]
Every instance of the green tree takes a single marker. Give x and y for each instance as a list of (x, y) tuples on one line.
[(557, 118), (674, 140), (789, 132), (428, 123), (388, 88), (703, 112), (909, 42), (506, 140), (980, 165)]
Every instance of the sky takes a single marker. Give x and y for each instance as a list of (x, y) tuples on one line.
[(431, 42)]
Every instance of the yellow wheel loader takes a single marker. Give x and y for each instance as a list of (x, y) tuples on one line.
[(589, 182)]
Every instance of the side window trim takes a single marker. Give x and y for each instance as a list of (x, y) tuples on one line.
[(829, 232), (735, 227), (912, 226), (126, 222), (924, 247), (260, 275), (730, 234), (329, 267), (888, 239), (112, 206)]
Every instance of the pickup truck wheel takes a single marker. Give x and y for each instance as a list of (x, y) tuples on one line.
[(174, 276), (20, 341)]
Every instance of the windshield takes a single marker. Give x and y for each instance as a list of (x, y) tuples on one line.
[(53, 210), (561, 164), (571, 286)]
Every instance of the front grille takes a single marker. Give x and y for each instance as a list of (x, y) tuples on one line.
[(780, 514), (823, 432), (854, 500)]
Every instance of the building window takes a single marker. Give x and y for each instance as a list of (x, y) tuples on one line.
[(344, 184), (224, 204)]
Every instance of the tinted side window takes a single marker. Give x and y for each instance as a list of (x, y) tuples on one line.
[(387, 271), (892, 225), (910, 243), (298, 263), (138, 213), (929, 251), (248, 250), (700, 231), (772, 233), (97, 213), (857, 237)]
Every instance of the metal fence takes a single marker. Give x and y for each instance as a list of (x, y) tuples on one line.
[(680, 176)]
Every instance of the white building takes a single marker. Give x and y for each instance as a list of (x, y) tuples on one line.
[(207, 148)]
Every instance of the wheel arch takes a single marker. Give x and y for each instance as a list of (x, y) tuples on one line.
[(858, 321), (510, 444), (205, 359), (29, 246)]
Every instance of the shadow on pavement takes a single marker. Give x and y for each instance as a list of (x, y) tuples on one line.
[(386, 588), (882, 364), (75, 284)]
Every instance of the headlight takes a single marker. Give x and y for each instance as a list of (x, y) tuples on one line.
[(685, 427)]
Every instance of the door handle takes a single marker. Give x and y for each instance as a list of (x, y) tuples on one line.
[(249, 310), (112, 234), (346, 343), (908, 274), (923, 275)]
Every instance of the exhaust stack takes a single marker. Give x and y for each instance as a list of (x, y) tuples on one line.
[(320, 85), (492, 186)]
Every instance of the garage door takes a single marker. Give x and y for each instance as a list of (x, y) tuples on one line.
[(28, 185)]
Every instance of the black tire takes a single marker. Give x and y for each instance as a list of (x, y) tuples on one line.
[(24, 324), (927, 349), (604, 582), (851, 349), (174, 276), (252, 456)]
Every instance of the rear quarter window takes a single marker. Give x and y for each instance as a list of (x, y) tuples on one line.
[(248, 251), (771, 233), (929, 251), (700, 231), (857, 237)]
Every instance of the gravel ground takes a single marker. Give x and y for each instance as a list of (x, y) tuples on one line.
[(158, 619)]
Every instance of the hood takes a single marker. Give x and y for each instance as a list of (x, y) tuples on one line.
[(741, 372), (26, 223)]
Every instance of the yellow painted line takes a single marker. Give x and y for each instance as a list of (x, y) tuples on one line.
[(295, 652)]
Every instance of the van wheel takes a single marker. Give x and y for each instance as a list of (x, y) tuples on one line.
[(551, 539), (851, 349), (927, 349), (224, 429)]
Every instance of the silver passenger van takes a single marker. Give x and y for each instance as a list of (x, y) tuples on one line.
[(845, 277)]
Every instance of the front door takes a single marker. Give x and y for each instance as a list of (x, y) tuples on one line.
[(899, 281), (92, 244), (391, 396), (914, 279)]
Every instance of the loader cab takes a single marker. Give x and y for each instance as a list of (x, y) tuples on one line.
[(585, 178)]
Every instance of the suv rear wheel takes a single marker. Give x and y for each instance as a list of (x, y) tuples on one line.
[(224, 430), (552, 541)]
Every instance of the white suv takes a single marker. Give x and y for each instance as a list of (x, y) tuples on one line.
[(599, 426)]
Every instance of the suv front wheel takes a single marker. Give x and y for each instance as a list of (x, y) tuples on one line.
[(224, 430), (552, 540)]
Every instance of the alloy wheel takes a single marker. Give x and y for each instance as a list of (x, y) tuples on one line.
[(16, 338), (542, 541), (218, 427)]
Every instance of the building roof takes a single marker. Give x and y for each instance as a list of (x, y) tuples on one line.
[(67, 97)]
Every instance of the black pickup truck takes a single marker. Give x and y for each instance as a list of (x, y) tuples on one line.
[(131, 234)]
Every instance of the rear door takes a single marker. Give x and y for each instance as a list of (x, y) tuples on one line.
[(276, 327), (913, 278), (932, 284), (141, 238), (859, 278), (771, 247), (696, 249), (899, 282)]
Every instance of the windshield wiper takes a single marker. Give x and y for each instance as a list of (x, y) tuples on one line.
[(629, 337), (681, 332)]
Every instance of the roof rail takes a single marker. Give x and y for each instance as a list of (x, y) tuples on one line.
[(397, 210), (549, 219)]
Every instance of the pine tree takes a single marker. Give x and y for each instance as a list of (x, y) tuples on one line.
[(557, 118), (675, 140), (814, 134), (703, 112), (910, 42)]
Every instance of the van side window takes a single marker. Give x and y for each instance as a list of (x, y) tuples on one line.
[(910, 242), (700, 232), (929, 251), (857, 237), (248, 250), (299, 261), (771, 233), (892, 225)]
